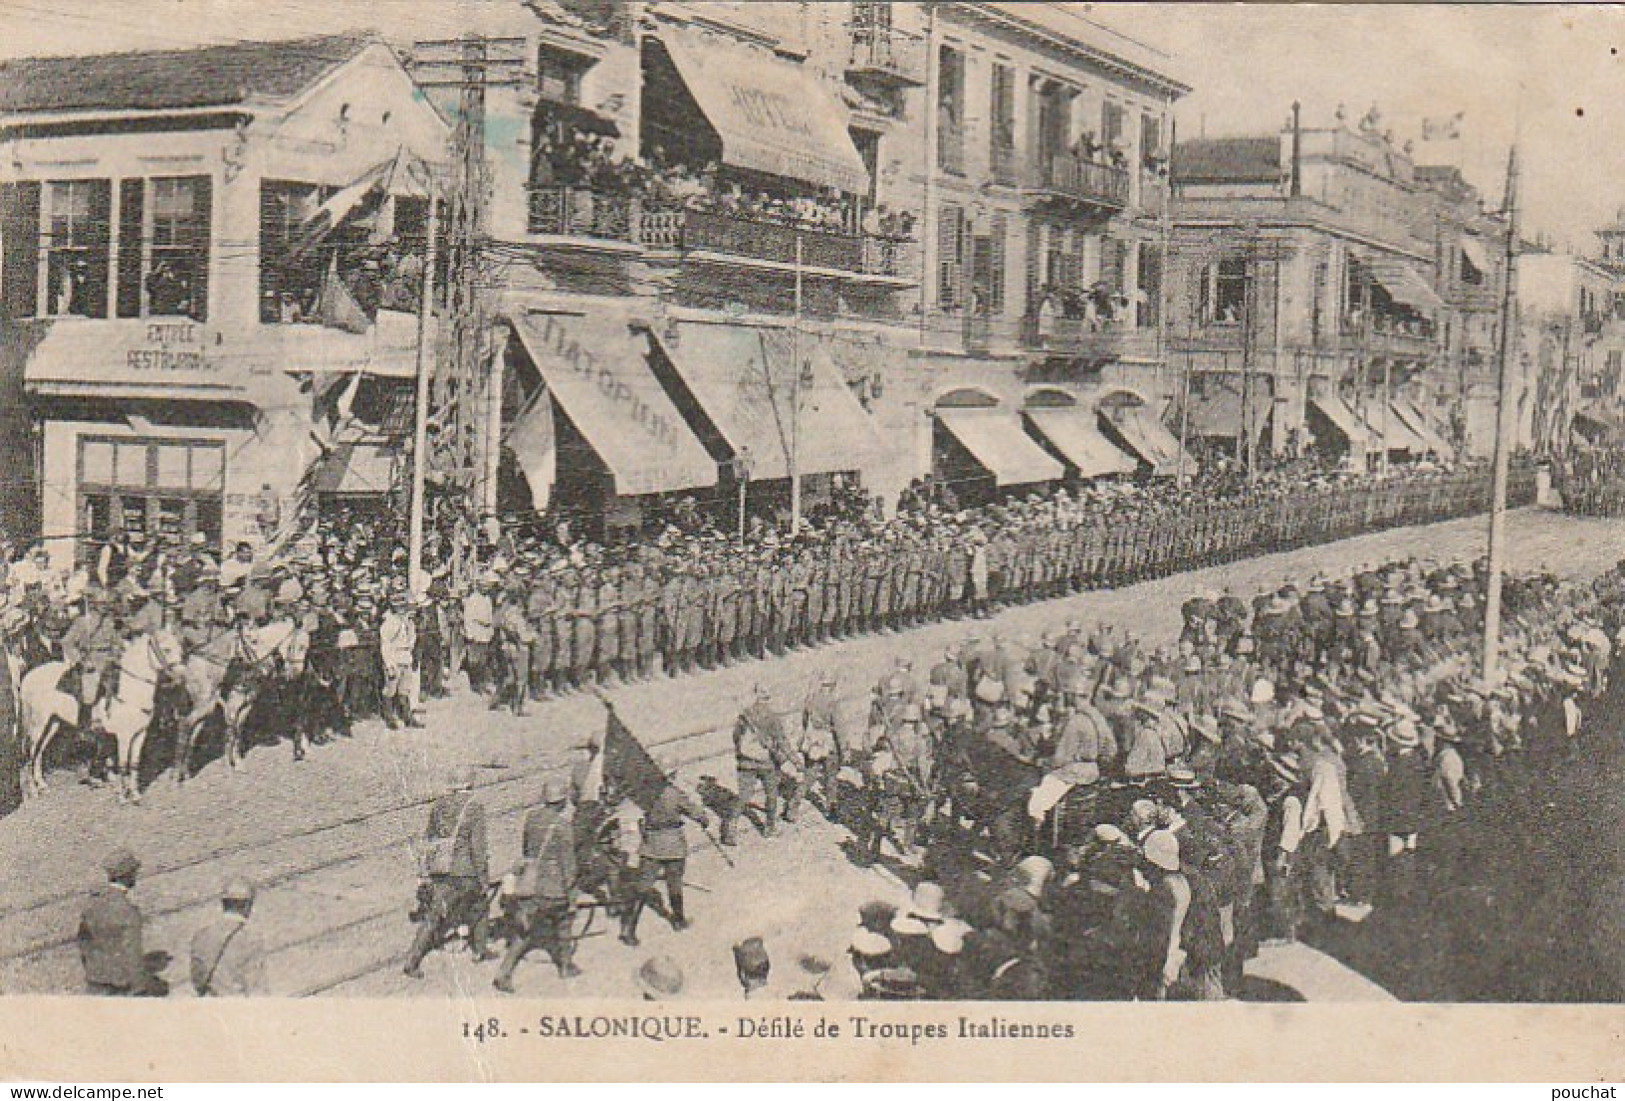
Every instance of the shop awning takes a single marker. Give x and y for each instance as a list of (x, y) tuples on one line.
[(1344, 419), (1405, 285), (1394, 432), (995, 438), (1477, 255), (1147, 438), (771, 114), (1419, 423), (1074, 433), (597, 370), (745, 379), (355, 470)]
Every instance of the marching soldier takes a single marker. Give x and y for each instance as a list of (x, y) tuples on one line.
[(228, 957), (454, 865), (544, 887), (663, 855), (820, 748), (761, 749)]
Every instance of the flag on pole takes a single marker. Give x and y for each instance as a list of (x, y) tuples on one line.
[(1443, 128), (535, 449), (627, 766), (338, 308)]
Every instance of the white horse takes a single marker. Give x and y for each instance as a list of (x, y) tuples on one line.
[(44, 711), (128, 715)]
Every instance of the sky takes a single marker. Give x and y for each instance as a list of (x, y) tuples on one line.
[(1552, 74)]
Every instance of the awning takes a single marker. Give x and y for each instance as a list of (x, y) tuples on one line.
[(771, 114), (1405, 285), (745, 380), (356, 469), (1344, 419), (1395, 433), (1418, 422), (1599, 425), (1477, 255), (577, 117), (1074, 433), (995, 438), (597, 370), (1147, 438)]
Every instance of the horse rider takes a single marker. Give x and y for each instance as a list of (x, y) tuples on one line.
[(91, 647)]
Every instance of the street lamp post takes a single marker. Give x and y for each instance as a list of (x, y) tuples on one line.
[(1503, 445)]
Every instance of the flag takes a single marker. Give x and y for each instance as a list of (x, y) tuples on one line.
[(627, 766), (535, 449), (1443, 128), (340, 206), (338, 308)]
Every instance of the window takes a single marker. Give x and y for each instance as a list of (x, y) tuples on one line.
[(178, 264), (1002, 128), (558, 78), (987, 268), (951, 232), (1151, 151), (289, 291), (168, 489), (76, 248), (1229, 291), (951, 110), (1148, 303), (1111, 123)]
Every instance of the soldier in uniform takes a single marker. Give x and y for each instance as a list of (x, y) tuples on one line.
[(663, 855), (761, 750), (820, 746), (110, 936), (544, 887), (92, 646), (228, 957), (454, 889), (539, 605), (397, 652), (516, 636), (609, 668)]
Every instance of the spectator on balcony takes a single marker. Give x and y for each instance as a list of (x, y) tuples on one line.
[(1085, 148)]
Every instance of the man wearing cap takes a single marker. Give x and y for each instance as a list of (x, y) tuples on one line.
[(228, 957), (761, 749), (544, 887), (397, 652), (110, 929), (820, 740), (455, 891), (479, 627)]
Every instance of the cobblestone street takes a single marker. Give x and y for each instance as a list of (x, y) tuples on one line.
[(327, 838)]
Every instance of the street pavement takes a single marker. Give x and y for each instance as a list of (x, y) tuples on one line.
[(328, 838)]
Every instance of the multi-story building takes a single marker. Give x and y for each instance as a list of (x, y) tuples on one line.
[(1567, 376), (191, 341), (1328, 293), (835, 240)]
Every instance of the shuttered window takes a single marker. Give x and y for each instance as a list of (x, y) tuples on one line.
[(77, 250), (996, 248), (19, 248), (131, 253), (950, 255)]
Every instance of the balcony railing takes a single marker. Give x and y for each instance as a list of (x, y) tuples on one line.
[(887, 54), (1068, 336), (578, 212), (1073, 178), (1388, 340)]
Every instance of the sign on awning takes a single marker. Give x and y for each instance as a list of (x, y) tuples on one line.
[(771, 114)]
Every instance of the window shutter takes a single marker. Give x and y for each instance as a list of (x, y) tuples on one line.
[(950, 245), (1035, 258), (19, 249), (203, 245), (101, 244), (996, 253), (131, 194)]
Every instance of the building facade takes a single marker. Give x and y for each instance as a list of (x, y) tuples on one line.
[(854, 242), (1328, 294), (183, 331)]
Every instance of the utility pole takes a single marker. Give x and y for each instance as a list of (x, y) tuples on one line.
[(420, 410), (1503, 444), (467, 395), (795, 401)]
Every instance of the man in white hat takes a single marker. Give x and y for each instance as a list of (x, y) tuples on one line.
[(228, 957), (397, 651)]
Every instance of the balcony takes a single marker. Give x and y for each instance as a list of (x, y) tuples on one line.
[(1071, 179), (1079, 338), (886, 56), (580, 212), (1392, 340)]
